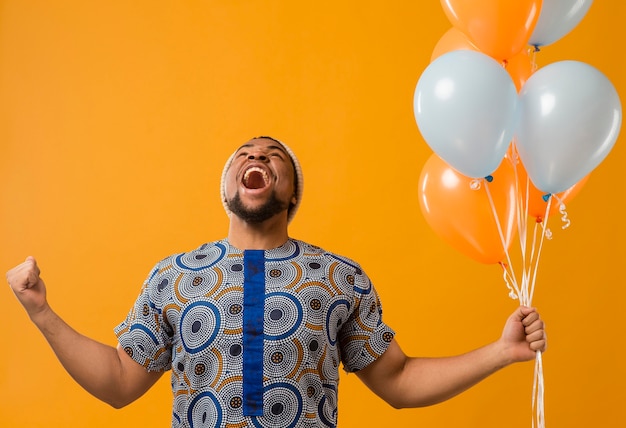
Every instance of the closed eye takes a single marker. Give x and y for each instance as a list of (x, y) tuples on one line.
[(272, 151)]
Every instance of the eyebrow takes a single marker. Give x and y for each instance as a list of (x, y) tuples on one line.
[(276, 147)]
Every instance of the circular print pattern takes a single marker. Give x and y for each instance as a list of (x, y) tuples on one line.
[(204, 369), (283, 315), (198, 284), (327, 410), (200, 323), (348, 273), (231, 393), (144, 339), (315, 298), (282, 406), (282, 275), (202, 258), (204, 411), (337, 314), (231, 302), (290, 248), (282, 359)]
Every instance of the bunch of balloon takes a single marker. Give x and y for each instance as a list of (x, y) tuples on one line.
[(509, 138)]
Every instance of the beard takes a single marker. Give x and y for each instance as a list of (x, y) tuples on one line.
[(269, 209)]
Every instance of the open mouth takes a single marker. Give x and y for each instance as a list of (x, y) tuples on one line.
[(255, 178)]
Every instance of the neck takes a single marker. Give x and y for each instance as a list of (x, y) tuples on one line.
[(270, 234)]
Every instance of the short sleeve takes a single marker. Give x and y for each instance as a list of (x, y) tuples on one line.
[(144, 334), (364, 337)]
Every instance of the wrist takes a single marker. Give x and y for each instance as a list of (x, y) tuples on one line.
[(41, 315), (505, 353)]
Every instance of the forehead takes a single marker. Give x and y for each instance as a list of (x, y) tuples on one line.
[(264, 143)]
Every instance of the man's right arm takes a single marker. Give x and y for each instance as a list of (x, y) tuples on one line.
[(104, 371)]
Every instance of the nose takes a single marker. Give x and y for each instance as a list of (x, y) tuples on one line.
[(260, 157)]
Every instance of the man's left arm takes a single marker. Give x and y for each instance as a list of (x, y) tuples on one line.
[(404, 381)]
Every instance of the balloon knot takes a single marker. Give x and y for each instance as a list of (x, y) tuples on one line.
[(536, 48), (489, 178), (546, 197), (539, 220)]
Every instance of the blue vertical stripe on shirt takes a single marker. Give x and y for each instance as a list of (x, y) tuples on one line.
[(253, 314)]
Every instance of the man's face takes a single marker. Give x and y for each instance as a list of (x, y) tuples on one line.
[(260, 181)]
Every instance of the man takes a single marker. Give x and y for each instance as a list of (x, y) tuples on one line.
[(254, 327)]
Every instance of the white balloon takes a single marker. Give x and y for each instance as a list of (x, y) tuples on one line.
[(556, 19), (465, 106), (570, 119)]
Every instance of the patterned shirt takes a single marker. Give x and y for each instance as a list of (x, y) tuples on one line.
[(255, 338)]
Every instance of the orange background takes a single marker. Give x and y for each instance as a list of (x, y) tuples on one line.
[(116, 118)]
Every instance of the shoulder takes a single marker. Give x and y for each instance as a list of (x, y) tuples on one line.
[(192, 259), (329, 256)]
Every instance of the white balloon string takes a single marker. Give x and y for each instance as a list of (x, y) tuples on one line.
[(512, 286), (521, 210), (538, 394), (524, 291), (523, 217), (499, 226), (566, 221), (522, 222), (543, 226), (533, 59), (538, 406), (529, 268)]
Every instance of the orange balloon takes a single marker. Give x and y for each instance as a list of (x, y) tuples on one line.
[(452, 40), (499, 28), (520, 67), (464, 217)]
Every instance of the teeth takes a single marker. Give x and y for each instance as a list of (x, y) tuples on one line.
[(246, 175)]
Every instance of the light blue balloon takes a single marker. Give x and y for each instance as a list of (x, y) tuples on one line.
[(570, 119), (465, 106), (556, 19)]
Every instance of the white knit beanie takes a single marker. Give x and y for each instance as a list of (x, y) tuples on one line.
[(299, 184)]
